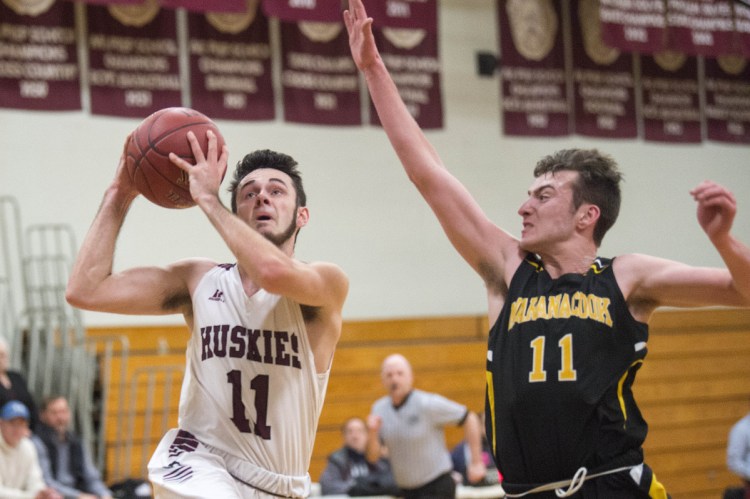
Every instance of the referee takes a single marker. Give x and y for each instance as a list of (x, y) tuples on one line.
[(411, 423)]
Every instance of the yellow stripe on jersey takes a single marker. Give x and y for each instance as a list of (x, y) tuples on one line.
[(491, 401), (619, 390)]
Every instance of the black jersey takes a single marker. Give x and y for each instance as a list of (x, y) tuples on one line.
[(561, 362)]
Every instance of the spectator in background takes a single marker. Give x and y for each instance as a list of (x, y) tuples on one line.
[(13, 385), (461, 455), (348, 471), (65, 462), (411, 423), (738, 452), (20, 476)]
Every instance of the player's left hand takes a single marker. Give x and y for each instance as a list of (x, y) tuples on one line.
[(716, 208), (361, 40)]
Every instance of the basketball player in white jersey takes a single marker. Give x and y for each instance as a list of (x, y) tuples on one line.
[(263, 329)]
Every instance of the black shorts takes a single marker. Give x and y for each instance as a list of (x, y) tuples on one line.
[(443, 487)]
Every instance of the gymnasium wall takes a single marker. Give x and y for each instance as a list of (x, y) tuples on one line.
[(365, 215), (693, 386)]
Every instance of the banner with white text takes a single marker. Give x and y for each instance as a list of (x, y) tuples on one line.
[(38, 56), (319, 79), (230, 65), (603, 79), (412, 58), (727, 97), (133, 59), (534, 87), (671, 98)]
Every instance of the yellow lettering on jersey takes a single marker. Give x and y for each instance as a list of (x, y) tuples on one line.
[(553, 306), (517, 309), (604, 311), (541, 308), (562, 306), (531, 310)]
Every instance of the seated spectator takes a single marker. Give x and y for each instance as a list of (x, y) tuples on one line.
[(461, 454), (20, 475), (349, 472), (66, 463), (738, 455), (13, 385)]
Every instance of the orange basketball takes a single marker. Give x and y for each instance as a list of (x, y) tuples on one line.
[(148, 150)]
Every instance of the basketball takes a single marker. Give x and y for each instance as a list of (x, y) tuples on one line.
[(147, 154)]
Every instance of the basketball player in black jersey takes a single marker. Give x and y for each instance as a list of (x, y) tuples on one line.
[(570, 328)]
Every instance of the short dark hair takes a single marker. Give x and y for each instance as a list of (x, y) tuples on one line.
[(266, 158), (598, 182), (46, 401)]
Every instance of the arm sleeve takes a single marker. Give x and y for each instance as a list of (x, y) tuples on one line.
[(444, 411)]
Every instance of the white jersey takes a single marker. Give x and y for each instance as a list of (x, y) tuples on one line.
[(251, 392)]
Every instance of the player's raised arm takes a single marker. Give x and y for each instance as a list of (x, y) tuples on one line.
[(483, 245), (94, 286)]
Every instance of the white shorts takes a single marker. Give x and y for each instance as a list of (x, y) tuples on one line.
[(183, 467)]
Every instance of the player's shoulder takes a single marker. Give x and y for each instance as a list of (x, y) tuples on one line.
[(636, 263), (326, 267), (332, 273), (193, 269)]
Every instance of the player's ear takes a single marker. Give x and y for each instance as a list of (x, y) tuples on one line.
[(303, 216), (588, 214)]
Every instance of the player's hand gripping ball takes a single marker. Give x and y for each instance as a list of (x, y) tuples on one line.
[(147, 160)]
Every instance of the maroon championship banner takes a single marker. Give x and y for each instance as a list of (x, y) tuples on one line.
[(603, 79), (671, 101), (133, 59), (318, 76), (407, 14), (700, 27), (533, 84), (727, 87), (38, 56), (230, 65), (633, 26), (411, 56), (325, 11)]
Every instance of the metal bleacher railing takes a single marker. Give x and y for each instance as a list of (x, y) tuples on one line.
[(48, 344)]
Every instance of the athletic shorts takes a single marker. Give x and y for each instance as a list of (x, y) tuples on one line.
[(183, 467)]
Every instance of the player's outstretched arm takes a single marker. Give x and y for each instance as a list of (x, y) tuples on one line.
[(483, 245), (649, 282), (717, 208), (94, 286)]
